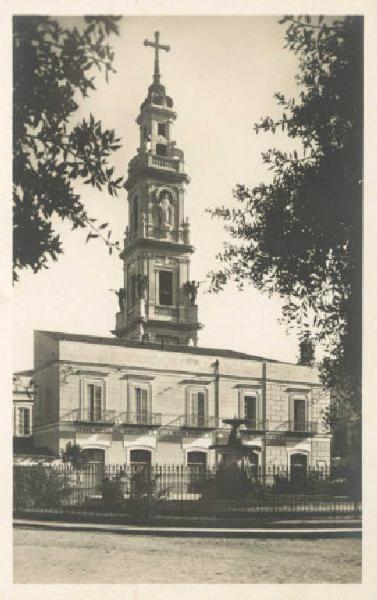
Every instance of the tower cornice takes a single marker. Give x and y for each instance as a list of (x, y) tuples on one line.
[(157, 244), (143, 169)]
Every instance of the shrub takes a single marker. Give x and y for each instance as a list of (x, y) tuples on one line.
[(41, 487)]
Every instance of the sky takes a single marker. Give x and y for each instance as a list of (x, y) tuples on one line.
[(222, 73)]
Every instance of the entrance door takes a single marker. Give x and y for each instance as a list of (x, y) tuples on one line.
[(299, 415), (299, 467)]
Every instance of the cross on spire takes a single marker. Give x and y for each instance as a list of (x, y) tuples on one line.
[(157, 46)]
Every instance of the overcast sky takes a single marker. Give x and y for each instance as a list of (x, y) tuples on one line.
[(222, 73)]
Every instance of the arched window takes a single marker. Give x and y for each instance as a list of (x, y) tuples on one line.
[(140, 457), (197, 459), (94, 456)]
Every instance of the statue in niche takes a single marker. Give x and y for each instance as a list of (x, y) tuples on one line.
[(192, 291), (121, 294), (142, 284), (166, 209)]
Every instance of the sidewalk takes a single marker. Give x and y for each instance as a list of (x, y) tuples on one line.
[(279, 529)]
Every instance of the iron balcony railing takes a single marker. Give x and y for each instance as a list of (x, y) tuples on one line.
[(254, 425), (96, 416), (198, 421), (142, 418), (299, 426)]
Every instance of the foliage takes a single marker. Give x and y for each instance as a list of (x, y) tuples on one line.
[(53, 65), (40, 487), (112, 494), (307, 351), (74, 455), (300, 235), (229, 482)]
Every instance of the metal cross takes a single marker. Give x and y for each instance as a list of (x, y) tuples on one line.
[(157, 46)]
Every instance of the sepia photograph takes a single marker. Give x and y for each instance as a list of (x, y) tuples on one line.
[(187, 298)]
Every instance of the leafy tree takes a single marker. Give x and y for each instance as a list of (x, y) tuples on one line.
[(300, 235), (307, 350), (53, 66), (74, 455)]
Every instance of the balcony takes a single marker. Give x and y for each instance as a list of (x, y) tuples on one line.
[(298, 427), (254, 425), (165, 163), (142, 419), (194, 421), (166, 311), (89, 420)]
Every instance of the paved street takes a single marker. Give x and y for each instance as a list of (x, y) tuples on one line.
[(83, 557)]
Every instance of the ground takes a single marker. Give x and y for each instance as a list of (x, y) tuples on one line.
[(42, 556)]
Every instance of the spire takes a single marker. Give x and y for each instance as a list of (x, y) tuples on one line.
[(157, 46)]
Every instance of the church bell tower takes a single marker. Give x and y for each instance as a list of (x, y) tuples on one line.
[(158, 300)]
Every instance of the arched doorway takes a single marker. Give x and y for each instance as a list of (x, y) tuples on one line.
[(197, 466), (298, 467), (94, 472), (141, 475)]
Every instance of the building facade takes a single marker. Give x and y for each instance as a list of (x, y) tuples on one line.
[(129, 402)]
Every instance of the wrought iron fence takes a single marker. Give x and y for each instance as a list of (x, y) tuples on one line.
[(168, 490)]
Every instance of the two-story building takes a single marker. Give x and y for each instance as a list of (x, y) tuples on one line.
[(127, 402)]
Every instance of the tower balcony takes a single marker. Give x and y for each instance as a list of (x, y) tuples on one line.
[(154, 161), (182, 314)]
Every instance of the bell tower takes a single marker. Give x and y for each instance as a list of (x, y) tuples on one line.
[(158, 301)]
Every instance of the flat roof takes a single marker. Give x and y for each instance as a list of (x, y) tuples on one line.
[(105, 341)]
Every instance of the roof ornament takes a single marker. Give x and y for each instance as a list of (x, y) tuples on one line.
[(157, 46)]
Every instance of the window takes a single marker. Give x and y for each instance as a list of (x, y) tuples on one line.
[(94, 456), (94, 402), (165, 288), (250, 406), (197, 459), (161, 149), (141, 400), (299, 406), (250, 409), (140, 457), (23, 421), (162, 129), (197, 409)]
